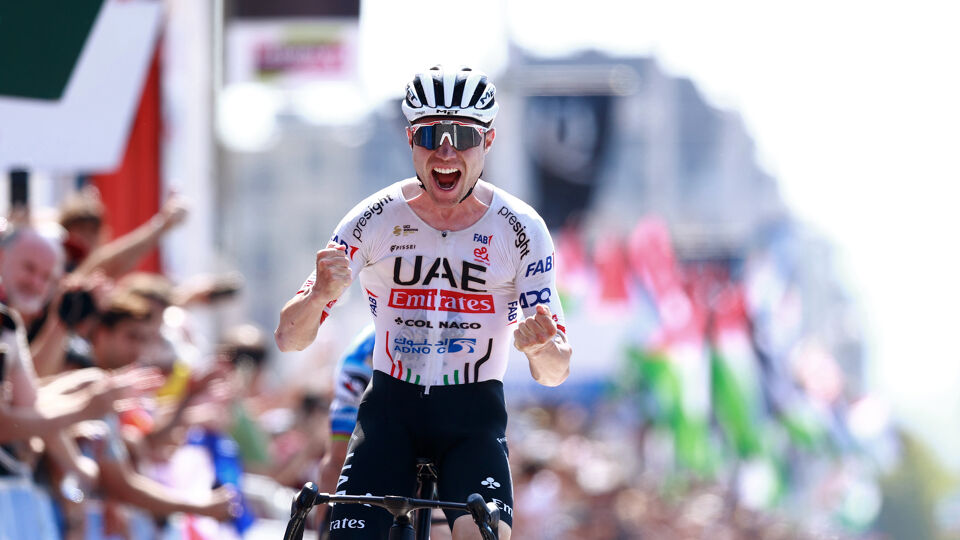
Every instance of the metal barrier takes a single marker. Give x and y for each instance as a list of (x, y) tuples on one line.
[(26, 511)]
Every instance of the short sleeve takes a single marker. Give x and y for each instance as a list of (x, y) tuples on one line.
[(537, 274)]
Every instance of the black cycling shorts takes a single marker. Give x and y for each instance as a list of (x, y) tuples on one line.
[(460, 427)]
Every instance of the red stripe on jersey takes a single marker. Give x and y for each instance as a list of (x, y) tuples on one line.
[(562, 328), (393, 366), (370, 293)]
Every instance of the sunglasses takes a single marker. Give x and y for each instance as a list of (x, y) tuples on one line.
[(462, 136)]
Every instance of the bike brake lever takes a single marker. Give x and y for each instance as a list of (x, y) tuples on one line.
[(487, 533), (483, 516)]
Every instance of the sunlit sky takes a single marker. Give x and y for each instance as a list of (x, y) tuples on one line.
[(854, 109)]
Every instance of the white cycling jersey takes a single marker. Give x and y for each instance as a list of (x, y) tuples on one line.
[(445, 302)]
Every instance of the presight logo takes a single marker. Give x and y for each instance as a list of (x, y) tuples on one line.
[(372, 210), (522, 242)]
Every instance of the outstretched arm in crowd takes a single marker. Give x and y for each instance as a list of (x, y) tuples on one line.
[(122, 254), (119, 480), (21, 417)]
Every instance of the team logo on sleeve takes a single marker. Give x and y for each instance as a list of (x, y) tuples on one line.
[(533, 298), (522, 242), (512, 312), (374, 209), (540, 267), (350, 249)]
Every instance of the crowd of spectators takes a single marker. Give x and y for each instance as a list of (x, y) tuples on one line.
[(113, 422), (116, 423)]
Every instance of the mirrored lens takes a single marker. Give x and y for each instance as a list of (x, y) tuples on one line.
[(462, 137)]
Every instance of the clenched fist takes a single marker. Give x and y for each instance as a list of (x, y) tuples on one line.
[(535, 331), (333, 272)]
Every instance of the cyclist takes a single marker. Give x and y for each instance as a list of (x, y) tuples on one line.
[(353, 375), (451, 264)]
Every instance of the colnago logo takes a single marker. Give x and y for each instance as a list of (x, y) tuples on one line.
[(441, 270), (441, 300), (421, 323), (372, 210), (540, 267), (484, 239), (522, 242)]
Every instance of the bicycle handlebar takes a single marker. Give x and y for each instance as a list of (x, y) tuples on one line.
[(485, 515)]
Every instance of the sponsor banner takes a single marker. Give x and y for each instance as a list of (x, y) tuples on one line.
[(291, 53), (84, 73)]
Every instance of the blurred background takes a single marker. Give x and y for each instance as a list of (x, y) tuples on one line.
[(754, 208)]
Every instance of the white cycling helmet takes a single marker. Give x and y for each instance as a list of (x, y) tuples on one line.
[(463, 92)]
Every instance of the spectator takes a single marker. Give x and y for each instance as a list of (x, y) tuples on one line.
[(82, 217), (119, 340)]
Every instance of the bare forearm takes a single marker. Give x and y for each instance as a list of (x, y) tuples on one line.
[(123, 483), (332, 465), (21, 423), (123, 253), (300, 321), (65, 453), (550, 364), (47, 350)]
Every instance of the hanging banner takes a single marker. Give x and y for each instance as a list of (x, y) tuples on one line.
[(77, 116)]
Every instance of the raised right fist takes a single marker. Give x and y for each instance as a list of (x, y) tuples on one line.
[(333, 272)]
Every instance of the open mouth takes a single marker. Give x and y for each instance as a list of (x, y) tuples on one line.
[(446, 179)]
